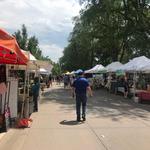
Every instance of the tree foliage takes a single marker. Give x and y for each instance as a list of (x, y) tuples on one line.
[(29, 43), (56, 69), (106, 31)]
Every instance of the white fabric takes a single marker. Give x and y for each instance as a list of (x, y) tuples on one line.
[(32, 58), (135, 64), (96, 69), (113, 67), (32, 65), (72, 73), (146, 68), (43, 71), (45, 64), (29, 55), (35, 64)]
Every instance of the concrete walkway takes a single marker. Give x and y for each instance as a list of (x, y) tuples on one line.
[(113, 123)]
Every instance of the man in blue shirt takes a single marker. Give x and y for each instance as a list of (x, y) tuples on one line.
[(80, 88)]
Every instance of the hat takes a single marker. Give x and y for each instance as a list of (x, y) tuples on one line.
[(81, 72)]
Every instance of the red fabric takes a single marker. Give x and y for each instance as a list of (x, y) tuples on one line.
[(10, 43), (24, 122), (7, 56), (144, 95)]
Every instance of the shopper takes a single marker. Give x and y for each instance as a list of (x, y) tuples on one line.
[(50, 80), (80, 88), (126, 87), (35, 92)]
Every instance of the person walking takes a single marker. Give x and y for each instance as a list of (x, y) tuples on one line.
[(50, 80), (35, 91), (79, 88), (126, 87), (66, 81)]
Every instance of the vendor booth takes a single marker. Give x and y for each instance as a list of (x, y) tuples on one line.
[(135, 69), (96, 69), (95, 76), (111, 78), (9, 42), (10, 53), (113, 67)]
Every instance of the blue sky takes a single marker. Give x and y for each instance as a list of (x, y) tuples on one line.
[(49, 20)]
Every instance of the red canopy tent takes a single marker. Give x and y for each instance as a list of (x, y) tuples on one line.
[(7, 56), (10, 46)]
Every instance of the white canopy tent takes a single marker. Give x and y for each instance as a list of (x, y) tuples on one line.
[(135, 65), (113, 67), (34, 65), (45, 64), (146, 68), (72, 73), (43, 67), (31, 65), (96, 69), (43, 71)]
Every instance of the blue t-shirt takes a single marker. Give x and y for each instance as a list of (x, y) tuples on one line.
[(80, 85)]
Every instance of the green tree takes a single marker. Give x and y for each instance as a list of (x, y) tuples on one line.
[(106, 31), (56, 69), (30, 44), (22, 37)]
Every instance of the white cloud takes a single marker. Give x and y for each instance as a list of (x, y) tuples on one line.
[(42, 18), (53, 51), (47, 13)]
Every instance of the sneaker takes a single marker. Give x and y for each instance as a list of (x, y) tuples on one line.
[(84, 119), (78, 119)]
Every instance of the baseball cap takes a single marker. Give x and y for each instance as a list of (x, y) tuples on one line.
[(81, 72)]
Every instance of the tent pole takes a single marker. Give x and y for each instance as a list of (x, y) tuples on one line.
[(134, 84), (24, 95), (27, 96)]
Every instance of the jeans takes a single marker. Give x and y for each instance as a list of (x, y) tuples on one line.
[(81, 100), (35, 101)]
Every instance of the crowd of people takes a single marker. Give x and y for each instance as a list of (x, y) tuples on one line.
[(80, 84)]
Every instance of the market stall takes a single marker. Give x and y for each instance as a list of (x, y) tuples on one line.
[(30, 71), (95, 76), (111, 78), (113, 67), (135, 68), (10, 53), (9, 42), (96, 69)]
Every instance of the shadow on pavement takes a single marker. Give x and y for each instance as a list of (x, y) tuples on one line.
[(70, 123), (102, 104)]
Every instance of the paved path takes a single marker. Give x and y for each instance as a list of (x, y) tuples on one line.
[(113, 123)]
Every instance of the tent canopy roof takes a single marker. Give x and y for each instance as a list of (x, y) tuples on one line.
[(10, 42), (136, 64), (43, 71), (29, 56), (96, 69), (113, 67), (7, 56)]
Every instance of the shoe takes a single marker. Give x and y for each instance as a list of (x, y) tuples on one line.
[(78, 119), (83, 118)]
